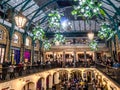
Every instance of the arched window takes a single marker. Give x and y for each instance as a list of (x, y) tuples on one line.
[(1, 34), (27, 42), (15, 38)]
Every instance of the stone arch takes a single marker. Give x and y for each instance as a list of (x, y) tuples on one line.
[(55, 78), (20, 40), (76, 74), (63, 75), (5, 35), (40, 83), (29, 86), (88, 75), (28, 42), (49, 81)]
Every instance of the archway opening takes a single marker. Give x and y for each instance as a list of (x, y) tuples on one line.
[(29, 86), (40, 84)]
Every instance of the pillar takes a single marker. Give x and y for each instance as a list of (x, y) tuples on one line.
[(44, 84), (39, 55), (7, 48), (69, 75), (50, 81), (95, 56), (22, 53), (53, 56), (64, 61), (32, 52), (44, 56), (56, 78), (84, 56), (74, 58)]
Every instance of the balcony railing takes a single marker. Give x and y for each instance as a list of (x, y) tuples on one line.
[(26, 69)]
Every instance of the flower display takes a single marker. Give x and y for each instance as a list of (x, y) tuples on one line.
[(46, 45), (87, 8), (54, 19), (38, 33), (59, 38), (105, 31), (93, 45)]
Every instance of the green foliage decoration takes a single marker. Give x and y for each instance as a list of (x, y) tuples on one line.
[(38, 33), (59, 38), (54, 19), (106, 31), (46, 45), (87, 8), (93, 45)]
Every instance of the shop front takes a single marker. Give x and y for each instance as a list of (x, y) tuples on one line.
[(27, 55), (2, 53), (15, 55)]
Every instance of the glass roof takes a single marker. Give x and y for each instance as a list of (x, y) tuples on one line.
[(36, 10)]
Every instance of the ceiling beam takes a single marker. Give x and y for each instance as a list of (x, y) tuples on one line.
[(4, 2), (29, 7), (27, 1), (117, 9), (19, 4), (31, 12), (38, 10)]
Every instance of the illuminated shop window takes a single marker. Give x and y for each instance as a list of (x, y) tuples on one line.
[(1, 34), (27, 42), (15, 38)]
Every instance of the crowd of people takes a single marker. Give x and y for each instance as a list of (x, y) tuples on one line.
[(81, 84)]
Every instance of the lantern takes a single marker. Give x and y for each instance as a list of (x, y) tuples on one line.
[(20, 20)]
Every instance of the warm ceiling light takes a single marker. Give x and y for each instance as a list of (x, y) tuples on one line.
[(20, 20), (90, 35)]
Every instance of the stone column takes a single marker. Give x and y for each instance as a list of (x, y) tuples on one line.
[(74, 58), (44, 57), (64, 60), (95, 56), (69, 75), (53, 56), (44, 84), (85, 56), (50, 81), (56, 78), (32, 54), (7, 48), (22, 53)]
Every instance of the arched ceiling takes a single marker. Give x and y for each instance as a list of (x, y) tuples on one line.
[(36, 12)]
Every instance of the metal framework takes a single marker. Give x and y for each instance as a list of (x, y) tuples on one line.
[(35, 14)]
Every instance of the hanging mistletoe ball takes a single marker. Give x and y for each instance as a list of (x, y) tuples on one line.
[(54, 19), (106, 31), (38, 33), (46, 45), (87, 8), (93, 45), (59, 38)]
